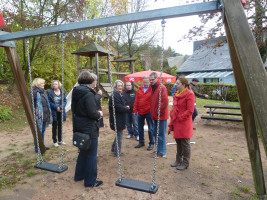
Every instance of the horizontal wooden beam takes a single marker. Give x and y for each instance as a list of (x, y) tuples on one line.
[(164, 13)]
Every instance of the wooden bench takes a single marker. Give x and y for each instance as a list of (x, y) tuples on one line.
[(213, 110)]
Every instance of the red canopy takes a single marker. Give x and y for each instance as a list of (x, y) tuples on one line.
[(2, 23), (138, 76)]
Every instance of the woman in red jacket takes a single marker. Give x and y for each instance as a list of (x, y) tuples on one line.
[(181, 122)]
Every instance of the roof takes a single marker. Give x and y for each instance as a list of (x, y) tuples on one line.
[(124, 60), (209, 74), (90, 50), (208, 59), (176, 61)]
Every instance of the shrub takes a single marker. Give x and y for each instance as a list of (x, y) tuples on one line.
[(5, 113)]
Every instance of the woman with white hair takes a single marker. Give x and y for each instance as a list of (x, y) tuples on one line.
[(120, 112), (55, 100), (41, 106)]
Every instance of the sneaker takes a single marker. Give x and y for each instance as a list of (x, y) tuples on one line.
[(56, 144), (137, 138), (121, 154), (61, 143), (128, 136)]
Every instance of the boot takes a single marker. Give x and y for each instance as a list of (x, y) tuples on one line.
[(176, 163), (182, 167)]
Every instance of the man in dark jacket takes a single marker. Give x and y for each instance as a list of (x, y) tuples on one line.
[(131, 118), (193, 84)]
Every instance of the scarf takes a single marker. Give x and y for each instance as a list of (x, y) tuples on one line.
[(180, 92)]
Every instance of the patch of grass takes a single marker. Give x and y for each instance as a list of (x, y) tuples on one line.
[(199, 137), (5, 113), (234, 194), (242, 173), (219, 142), (235, 145), (44, 172), (253, 198), (17, 154), (18, 121), (31, 173), (201, 102), (245, 189)]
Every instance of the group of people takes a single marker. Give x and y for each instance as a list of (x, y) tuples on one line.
[(49, 109), (132, 109)]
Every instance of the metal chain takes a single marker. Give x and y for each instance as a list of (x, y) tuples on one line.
[(62, 102), (113, 105), (160, 87), (39, 156)]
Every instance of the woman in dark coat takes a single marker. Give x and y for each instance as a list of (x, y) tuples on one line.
[(181, 122), (85, 120), (98, 97), (55, 100), (120, 113), (41, 106)]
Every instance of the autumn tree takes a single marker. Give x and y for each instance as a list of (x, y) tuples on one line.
[(256, 15)]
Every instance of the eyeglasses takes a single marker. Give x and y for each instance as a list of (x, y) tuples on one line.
[(151, 80)]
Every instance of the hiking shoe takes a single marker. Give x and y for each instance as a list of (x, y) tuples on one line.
[(97, 183), (140, 145), (56, 144), (150, 147)]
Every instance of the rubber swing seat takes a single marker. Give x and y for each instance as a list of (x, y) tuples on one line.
[(137, 185), (51, 167)]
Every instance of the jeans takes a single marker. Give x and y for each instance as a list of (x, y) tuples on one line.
[(86, 166), (56, 128), (195, 113), (114, 145), (43, 130), (162, 147), (131, 124), (141, 122)]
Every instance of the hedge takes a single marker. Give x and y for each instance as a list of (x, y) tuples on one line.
[(215, 91)]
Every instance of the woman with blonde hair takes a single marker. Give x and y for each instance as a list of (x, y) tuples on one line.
[(120, 113), (181, 122), (41, 106), (55, 100)]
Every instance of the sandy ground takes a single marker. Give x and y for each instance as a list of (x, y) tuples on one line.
[(219, 167)]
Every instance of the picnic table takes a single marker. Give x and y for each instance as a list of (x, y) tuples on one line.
[(219, 110)]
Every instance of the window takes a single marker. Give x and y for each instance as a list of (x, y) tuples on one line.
[(211, 80)]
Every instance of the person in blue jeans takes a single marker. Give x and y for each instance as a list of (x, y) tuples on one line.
[(41, 107), (193, 84), (131, 118), (142, 111)]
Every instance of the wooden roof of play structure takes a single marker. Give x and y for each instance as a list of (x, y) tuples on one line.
[(89, 50)]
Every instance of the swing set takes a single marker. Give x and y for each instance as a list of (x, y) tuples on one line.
[(249, 72)]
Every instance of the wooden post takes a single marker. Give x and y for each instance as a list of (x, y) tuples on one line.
[(109, 77), (78, 65), (118, 69), (97, 67), (132, 66), (251, 81), (23, 92), (91, 63)]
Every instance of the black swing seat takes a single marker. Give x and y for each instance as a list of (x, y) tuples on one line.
[(137, 185), (51, 167)]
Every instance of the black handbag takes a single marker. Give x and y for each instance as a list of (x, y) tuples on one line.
[(81, 140)]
